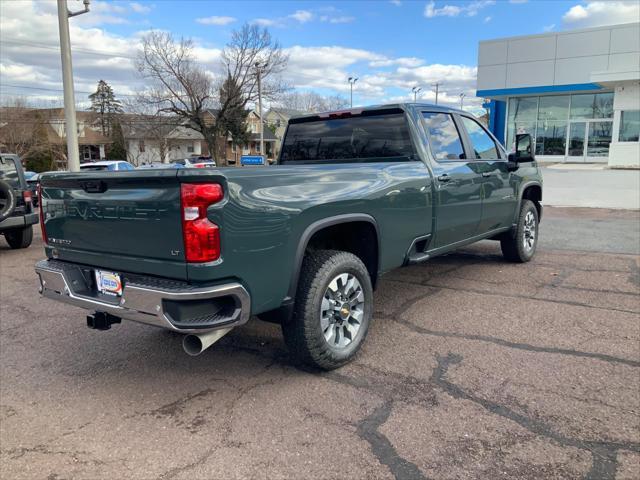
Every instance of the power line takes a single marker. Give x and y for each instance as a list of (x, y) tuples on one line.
[(57, 89), (75, 49)]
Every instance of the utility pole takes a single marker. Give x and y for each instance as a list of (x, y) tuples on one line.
[(352, 80), (73, 156), (415, 91), (437, 85), (259, 67), (462, 95)]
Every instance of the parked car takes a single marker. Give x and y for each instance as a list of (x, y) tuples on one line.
[(356, 194), (32, 182), (195, 162), (17, 213), (111, 165)]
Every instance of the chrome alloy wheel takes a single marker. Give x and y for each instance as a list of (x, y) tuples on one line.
[(529, 233), (342, 310)]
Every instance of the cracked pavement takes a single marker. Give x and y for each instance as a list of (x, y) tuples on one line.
[(473, 368)]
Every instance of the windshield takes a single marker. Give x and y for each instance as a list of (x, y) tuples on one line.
[(372, 137)]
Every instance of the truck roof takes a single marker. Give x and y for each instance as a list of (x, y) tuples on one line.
[(388, 106)]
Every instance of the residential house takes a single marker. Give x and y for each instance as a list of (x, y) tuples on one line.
[(276, 119), (233, 152), (159, 139), (19, 125)]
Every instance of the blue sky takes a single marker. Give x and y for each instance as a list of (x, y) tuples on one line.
[(390, 45)]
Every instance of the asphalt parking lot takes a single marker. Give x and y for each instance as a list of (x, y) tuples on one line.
[(474, 368)]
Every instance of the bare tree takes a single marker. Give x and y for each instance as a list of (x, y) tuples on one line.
[(312, 102), (180, 86)]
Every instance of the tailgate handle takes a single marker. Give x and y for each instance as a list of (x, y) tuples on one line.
[(94, 186)]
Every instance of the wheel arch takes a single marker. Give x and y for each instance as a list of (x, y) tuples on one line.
[(351, 220), (531, 191)]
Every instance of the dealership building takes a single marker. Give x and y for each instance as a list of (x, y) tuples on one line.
[(576, 92)]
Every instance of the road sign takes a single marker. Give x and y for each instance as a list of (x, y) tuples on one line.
[(252, 160)]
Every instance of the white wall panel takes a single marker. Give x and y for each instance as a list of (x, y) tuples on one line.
[(624, 62), (530, 74), (625, 39), (492, 53), (593, 42), (492, 76), (532, 49), (578, 70)]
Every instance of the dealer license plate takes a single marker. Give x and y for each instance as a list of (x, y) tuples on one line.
[(108, 282)]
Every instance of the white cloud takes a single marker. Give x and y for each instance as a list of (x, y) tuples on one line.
[(265, 22), (341, 19), (518, 1), (470, 9), (596, 13), (216, 20), (487, 19), (302, 16), (139, 8), (397, 3), (548, 28)]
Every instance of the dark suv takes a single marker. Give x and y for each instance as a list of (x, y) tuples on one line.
[(17, 214)]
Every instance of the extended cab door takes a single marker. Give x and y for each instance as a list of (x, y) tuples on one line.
[(497, 188), (458, 186)]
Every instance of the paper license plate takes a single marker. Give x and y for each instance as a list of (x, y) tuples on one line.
[(108, 282)]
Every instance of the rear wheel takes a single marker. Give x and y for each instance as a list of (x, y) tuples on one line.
[(522, 247), (333, 309), (19, 238)]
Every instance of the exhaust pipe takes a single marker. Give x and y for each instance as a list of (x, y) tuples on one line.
[(194, 344)]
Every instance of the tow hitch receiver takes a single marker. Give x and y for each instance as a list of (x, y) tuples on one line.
[(101, 321)]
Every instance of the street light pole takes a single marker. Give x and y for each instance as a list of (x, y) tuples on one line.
[(352, 80), (259, 67), (437, 85), (73, 156), (415, 91), (462, 95)]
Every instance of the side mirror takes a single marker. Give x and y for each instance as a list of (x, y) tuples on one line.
[(524, 149)]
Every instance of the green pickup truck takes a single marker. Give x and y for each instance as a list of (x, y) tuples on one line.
[(355, 194)]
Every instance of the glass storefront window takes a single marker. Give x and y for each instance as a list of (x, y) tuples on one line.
[(629, 126), (599, 139), (592, 105), (551, 137), (554, 107), (523, 108)]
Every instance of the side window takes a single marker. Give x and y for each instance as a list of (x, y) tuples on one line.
[(444, 137), (484, 148)]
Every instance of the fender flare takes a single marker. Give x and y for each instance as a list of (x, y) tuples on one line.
[(316, 227), (523, 187)]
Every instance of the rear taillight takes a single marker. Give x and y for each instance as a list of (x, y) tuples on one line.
[(201, 237), (44, 231), (27, 196)]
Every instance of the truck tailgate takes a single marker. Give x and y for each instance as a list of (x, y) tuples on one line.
[(129, 215)]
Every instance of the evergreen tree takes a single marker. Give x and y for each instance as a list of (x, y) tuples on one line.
[(234, 119), (105, 103), (117, 150)]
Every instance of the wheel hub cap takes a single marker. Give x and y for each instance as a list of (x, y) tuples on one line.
[(342, 310), (529, 231)]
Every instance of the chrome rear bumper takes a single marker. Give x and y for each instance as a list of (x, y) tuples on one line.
[(149, 300)]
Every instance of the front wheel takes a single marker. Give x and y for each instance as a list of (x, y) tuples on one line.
[(19, 238), (522, 247), (332, 311)]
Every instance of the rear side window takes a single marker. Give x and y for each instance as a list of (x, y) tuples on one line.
[(9, 172), (484, 148), (373, 137), (444, 137)]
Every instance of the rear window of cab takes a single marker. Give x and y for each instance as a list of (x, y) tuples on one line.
[(360, 138)]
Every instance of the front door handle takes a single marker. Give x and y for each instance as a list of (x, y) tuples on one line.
[(486, 174), (444, 178)]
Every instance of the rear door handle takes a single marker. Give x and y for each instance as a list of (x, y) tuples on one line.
[(444, 178), (486, 174)]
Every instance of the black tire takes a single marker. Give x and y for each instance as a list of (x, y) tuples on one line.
[(19, 238), (521, 248), (303, 333), (7, 200)]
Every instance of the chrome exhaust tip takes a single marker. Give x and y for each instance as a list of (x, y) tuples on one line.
[(196, 343)]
